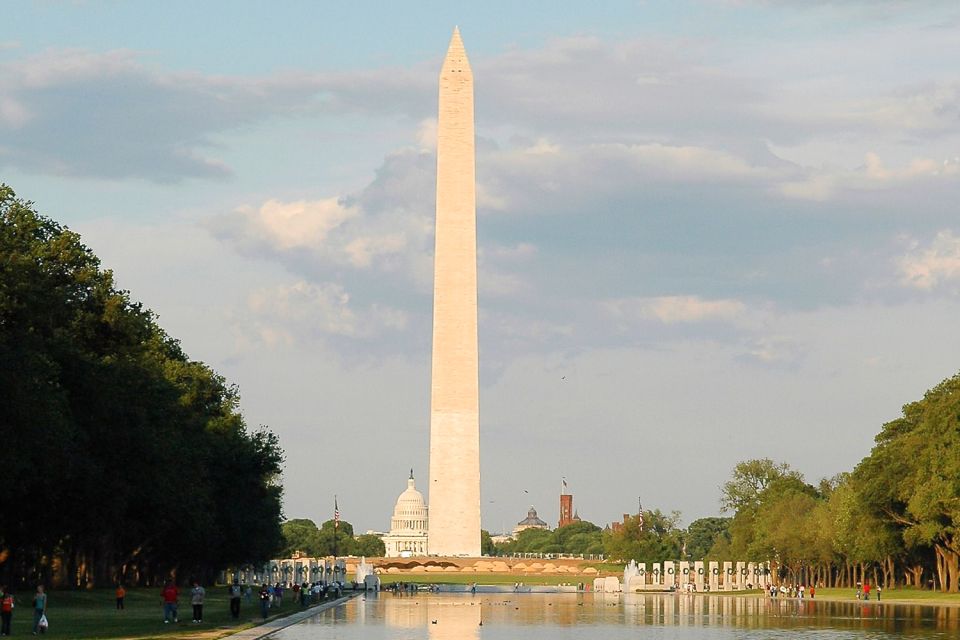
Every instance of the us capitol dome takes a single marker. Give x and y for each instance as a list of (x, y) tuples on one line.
[(408, 526)]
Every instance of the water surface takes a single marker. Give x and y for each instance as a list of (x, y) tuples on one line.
[(612, 617)]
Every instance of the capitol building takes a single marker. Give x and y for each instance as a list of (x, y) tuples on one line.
[(408, 526)]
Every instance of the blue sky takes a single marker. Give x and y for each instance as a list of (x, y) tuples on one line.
[(708, 231)]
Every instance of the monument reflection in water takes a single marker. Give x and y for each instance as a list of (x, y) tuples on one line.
[(606, 617)]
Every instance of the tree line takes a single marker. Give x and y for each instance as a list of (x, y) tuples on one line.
[(123, 459), (303, 536), (893, 520), (653, 538)]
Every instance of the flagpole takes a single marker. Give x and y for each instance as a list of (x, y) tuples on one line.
[(336, 525)]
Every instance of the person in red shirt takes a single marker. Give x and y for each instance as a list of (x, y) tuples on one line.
[(6, 610), (866, 590), (170, 596)]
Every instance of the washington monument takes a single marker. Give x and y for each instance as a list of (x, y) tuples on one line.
[(454, 528)]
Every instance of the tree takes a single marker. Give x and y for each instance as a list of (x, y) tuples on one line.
[(370, 546), (487, 547), (333, 540), (703, 534), (750, 479), (658, 540), (88, 375), (910, 478), (300, 535)]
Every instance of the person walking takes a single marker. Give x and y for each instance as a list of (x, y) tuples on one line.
[(235, 593), (197, 594), (879, 589), (121, 595), (170, 596), (6, 611), (866, 590), (264, 601), (39, 609)]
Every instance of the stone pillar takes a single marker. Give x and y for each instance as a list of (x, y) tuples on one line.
[(642, 568), (656, 576), (728, 576), (752, 578), (683, 574), (669, 574), (714, 577), (741, 576), (698, 576)]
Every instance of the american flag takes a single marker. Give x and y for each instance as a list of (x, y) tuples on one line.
[(336, 514)]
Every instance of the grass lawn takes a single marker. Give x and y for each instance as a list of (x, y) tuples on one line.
[(919, 596), (92, 615)]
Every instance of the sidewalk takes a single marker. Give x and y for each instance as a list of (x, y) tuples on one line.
[(271, 627)]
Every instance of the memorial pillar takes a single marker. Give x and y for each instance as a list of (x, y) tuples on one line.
[(669, 574), (714, 576)]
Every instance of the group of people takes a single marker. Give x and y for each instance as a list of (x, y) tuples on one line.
[(271, 596), (8, 603), (170, 596), (791, 591), (863, 591)]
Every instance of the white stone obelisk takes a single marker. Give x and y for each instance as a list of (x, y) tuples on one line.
[(454, 491)]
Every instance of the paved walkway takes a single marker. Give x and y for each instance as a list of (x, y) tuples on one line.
[(271, 627)]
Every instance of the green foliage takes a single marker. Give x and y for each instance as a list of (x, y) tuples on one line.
[(750, 479), (487, 547), (575, 538), (162, 472), (659, 538), (909, 485), (371, 546), (900, 506), (704, 534), (299, 535), (333, 540), (304, 536)]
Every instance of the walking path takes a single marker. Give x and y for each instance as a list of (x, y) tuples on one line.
[(271, 627)]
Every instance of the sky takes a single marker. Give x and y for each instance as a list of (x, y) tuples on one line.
[(708, 231)]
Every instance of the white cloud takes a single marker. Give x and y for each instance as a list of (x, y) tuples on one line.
[(361, 251), (288, 314), (676, 309), (872, 175), (930, 267), (303, 223), (518, 252), (773, 350)]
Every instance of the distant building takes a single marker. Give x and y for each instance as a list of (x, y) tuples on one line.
[(617, 526), (408, 527), (566, 509), (530, 522)]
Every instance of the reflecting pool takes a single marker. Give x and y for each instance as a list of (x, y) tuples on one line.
[(613, 616)]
